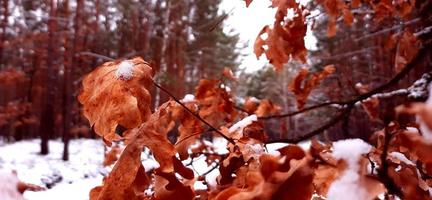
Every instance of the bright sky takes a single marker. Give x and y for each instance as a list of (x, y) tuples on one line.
[(248, 22)]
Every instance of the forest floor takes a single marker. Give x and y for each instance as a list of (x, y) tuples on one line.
[(75, 178)]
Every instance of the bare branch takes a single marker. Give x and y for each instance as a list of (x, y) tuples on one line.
[(348, 105), (383, 31), (87, 53), (194, 114)]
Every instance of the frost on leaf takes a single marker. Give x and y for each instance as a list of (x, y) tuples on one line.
[(116, 93)]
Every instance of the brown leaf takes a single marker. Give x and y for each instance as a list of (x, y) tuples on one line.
[(168, 187), (331, 27), (371, 107), (190, 129), (117, 185), (248, 2), (286, 39), (266, 107), (112, 156), (109, 99), (302, 87)]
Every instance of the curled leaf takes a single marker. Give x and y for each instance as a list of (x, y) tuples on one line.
[(116, 93)]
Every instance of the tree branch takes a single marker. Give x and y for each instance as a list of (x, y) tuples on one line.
[(302, 110), (348, 105), (193, 113), (315, 132), (104, 58)]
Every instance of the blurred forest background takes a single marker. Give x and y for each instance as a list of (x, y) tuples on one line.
[(47, 46)]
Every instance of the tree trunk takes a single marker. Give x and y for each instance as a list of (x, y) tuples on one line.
[(3, 28), (67, 91), (47, 115)]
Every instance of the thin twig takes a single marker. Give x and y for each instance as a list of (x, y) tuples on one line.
[(194, 114), (348, 105), (103, 57), (317, 131), (383, 170), (210, 170), (302, 110)]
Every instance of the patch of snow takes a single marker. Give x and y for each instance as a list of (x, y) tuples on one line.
[(426, 131), (402, 158), (419, 88), (188, 98), (412, 129), (71, 179), (239, 126), (254, 99), (347, 186), (273, 147), (125, 70), (8, 186)]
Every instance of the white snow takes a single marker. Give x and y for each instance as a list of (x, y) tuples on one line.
[(239, 126), (347, 186), (254, 99), (188, 98), (402, 158), (273, 147), (69, 180), (252, 150), (73, 180), (8, 186), (427, 133), (125, 70)]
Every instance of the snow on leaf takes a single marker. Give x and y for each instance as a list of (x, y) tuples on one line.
[(188, 98), (240, 125), (125, 70), (352, 184), (117, 94)]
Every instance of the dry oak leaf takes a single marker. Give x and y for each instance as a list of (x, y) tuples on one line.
[(119, 184), (190, 129), (408, 48), (248, 2), (112, 156), (117, 93), (286, 39), (302, 87), (214, 102), (266, 107)]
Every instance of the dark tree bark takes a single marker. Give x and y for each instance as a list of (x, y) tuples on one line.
[(47, 115), (4, 23), (67, 91)]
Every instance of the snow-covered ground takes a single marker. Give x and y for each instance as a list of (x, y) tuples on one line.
[(65, 180), (75, 178)]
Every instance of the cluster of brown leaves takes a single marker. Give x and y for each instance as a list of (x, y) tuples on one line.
[(381, 10), (216, 105), (304, 83), (247, 171), (285, 40), (407, 46), (12, 76), (16, 114), (261, 108)]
